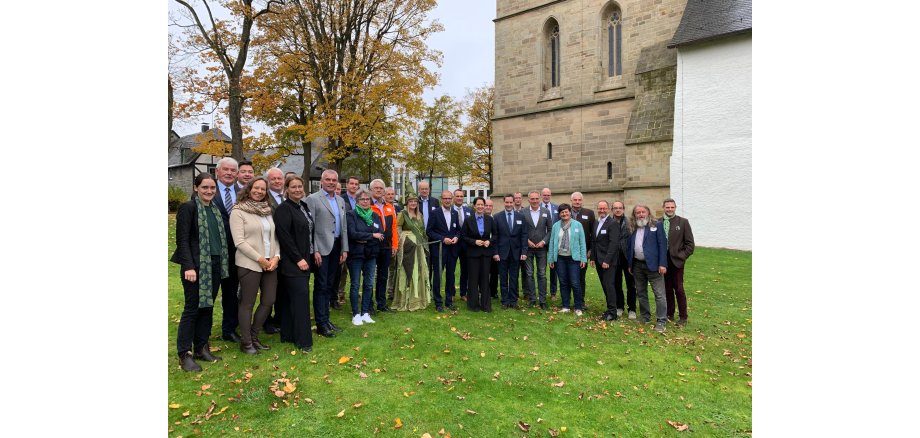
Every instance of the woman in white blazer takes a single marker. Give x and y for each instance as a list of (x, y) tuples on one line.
[(257, 257)]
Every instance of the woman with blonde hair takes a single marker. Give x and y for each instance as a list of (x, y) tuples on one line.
[(412, 291)]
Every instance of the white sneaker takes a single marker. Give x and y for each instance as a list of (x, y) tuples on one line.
[(366, 317), (619, 313), (632, 315), (577, 312), (564, 310), (356, 320)]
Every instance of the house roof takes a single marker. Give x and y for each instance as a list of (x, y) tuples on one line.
[(190, 141), (294, 163), (705, 20)]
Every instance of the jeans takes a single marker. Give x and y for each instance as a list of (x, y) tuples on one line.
[(356, 267), (643, 277), (537, 257), (569, 272)]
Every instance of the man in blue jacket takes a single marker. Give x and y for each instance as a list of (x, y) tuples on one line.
[(647, 256)]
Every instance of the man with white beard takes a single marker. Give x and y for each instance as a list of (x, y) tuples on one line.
[(647, 257)]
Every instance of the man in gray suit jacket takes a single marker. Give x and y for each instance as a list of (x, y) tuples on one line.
[(540, 224), (330, 245)]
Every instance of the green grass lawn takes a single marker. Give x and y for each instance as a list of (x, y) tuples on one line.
[(480, 375)]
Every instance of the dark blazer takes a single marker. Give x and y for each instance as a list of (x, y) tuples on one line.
[(471, 235), (511, 242), (361, 242), (271, 200), (348, 207), (188, 253), (589, 222), (553, 212), (226, 215), (295, 236), (540, 230), (609, 243), (439, 230), (653, 246), (680, 241), (623, 224)]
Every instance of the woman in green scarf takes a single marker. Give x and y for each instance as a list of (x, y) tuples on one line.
[(364, 241), (412, 290), (201, 252)]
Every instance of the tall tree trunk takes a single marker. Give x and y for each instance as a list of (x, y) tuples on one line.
[(236, 119)]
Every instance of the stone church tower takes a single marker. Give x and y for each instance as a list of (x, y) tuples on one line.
[(584, 98)]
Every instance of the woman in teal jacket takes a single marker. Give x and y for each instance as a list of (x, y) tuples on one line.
[(567, 254)]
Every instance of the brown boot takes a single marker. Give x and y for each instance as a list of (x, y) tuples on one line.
[(188, 364), (255, 341), (248, 348), (205, 354)]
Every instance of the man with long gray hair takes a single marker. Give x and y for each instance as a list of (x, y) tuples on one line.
[(647, 257)]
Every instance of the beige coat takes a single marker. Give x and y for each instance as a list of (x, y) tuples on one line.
[(247, 236)]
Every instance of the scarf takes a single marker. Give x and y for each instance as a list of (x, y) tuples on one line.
[(564, 242), (416, 226), (365, 214), (204, 246), (258, 208)]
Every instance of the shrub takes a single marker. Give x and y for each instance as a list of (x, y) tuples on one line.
[(176, 197)]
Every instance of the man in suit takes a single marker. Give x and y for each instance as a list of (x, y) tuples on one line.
[(425, 202), (589, 222), (621, 272), (227, 169), (680, 246), (390, 243), (351, 189), (546, 195), (493, 266), (330, 246), (463, 213), (275, 179), (444, 228), (245, 174), (539, 226), (607, 248), (647, 258), (512, 240)]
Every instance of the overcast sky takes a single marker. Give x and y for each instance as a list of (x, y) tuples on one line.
[(467, 44)]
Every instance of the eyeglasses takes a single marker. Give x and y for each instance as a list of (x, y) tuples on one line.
[(364, 199)]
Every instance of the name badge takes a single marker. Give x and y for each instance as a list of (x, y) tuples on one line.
[(518, 222), (603, 231), (584, 216), (653, 228), (467, 214), (434, 208), (556, 211), (455, 225), (544, 214), (576, 230), (376, 225)]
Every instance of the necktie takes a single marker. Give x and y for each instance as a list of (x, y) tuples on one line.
[(460, 214), (600, 224), (228, 201), (667, 227), (509, 221)]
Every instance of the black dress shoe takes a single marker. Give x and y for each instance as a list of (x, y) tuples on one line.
[(610, 317), (232, 337), (271, 329), (452, 307), (336, 305), (332, 328), (543, 306), (306, 350), (205, 354), (440, 309), (386, 309), (185, 359), (325, 333), (249, 349)]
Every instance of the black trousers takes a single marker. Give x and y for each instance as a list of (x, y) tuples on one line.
[(606, 277), (294, 311), (619, 274), (477, 296), (383, 271), (493, 278), (229, 300), (195, 323)]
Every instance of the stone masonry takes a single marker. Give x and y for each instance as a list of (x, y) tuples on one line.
[(590, 120)]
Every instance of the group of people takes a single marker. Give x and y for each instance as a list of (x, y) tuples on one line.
[(261, 237)]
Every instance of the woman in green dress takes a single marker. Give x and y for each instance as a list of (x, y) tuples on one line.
[(412, 289)]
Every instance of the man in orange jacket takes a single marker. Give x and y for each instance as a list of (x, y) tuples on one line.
[(388, 222)]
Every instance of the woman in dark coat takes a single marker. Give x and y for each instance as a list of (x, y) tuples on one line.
[(479, 233), (201, 251), (294, 229), (364, 242)]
